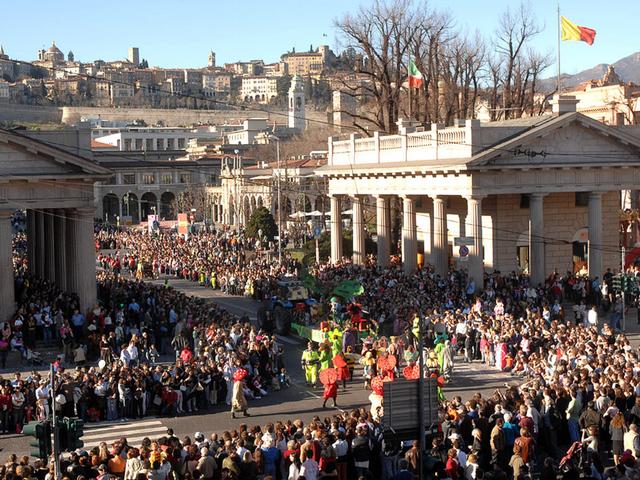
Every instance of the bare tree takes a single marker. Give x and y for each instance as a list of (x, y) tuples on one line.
[(382, 33), (514, 68)]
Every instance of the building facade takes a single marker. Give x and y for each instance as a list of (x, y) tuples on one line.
[(536, 195), (258, 89)]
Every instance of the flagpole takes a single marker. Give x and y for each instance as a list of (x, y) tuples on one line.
[(559, 39), (410, 101)]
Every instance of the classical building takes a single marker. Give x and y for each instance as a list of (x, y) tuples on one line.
[(245, 186), (55, 187), (307, 63), (258, 89), (609, 100), (536, 195)]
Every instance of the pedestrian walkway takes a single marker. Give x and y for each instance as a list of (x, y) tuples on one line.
[(133, 431)]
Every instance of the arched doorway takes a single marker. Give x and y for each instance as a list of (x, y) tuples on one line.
[(231, 212), (130, 208), (260, 202), (168, 206), (149, 205), (253, 204), (580, 250), (110, 207)]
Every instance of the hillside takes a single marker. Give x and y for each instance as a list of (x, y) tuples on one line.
[(627, 68)]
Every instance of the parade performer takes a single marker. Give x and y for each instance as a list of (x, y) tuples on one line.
[(310, 362), (369, 364), (325, 356), (376, 398), (329, 377), (340, 363), (238, 400)]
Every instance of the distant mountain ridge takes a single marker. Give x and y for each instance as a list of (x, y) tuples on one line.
[(627, 68)]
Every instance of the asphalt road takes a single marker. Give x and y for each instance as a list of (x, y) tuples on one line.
[(297, 401)]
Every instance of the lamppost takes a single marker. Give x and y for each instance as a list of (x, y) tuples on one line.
[(279, 218)]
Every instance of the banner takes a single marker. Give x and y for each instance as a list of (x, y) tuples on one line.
[(183, 224)]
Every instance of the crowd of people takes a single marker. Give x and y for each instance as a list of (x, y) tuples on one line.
[(221, 259), (579, 377)]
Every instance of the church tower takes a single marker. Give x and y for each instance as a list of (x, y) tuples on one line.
[(212, 59), (296, 104)]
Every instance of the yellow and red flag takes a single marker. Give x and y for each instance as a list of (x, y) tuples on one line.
[(571, 31)]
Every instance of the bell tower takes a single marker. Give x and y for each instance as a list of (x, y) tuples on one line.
[(296, 104), (212, 59)]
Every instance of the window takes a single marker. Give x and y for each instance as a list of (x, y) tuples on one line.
[(148, 178), (138, 144), (129, 178), (149, 144), (127, 144), (582, 199), (166, 178), (171, 144), (185, 178), (524, 200), (181, 144), (211, 178)]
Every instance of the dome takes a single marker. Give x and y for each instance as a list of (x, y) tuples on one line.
[(53, 48)]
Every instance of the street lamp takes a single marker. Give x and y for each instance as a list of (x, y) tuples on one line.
[(277, 140)]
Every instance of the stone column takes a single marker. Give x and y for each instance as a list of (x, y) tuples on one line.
[(7, 284), (358, 231), (595, 234), (39, 245), (81, 256), (383, 229), (536, 242), (31, 240), (439, 249), (49, 247), (409, 235), (473, 228), (60, 233), (336, 229)]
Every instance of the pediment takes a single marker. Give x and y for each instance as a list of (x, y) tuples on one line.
[(24, 157), (565, 142)]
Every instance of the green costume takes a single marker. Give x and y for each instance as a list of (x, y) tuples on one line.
[(439, 349), (310, 363), (336, 342), (325, 359)]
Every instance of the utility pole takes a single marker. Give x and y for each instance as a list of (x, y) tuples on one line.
[(623, 293), (279, 212), (421, 423), (54, 425)]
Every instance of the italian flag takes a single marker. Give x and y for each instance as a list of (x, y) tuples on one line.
[(415, 77), (571, 31)]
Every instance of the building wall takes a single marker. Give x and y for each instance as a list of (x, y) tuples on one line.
[(173, 117), (562, 220)]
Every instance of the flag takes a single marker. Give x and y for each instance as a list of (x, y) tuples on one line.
[(415, 77), (571, 31)]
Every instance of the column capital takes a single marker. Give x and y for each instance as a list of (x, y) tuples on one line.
[(475, 197), (595, 195), (537, 195), (437, 197), (408, 197)]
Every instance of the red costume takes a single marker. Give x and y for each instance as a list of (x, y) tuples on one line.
[(330, 391)]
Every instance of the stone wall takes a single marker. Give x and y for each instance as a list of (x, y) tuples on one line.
[(562, 220), (11, 112), (180, 116)]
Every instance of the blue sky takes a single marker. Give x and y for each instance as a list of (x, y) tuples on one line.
[(180, 33)]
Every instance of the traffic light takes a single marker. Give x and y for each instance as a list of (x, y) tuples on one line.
[(71, 432), (41, 431)]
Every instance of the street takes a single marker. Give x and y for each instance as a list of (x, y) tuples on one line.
[(296, 402)]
